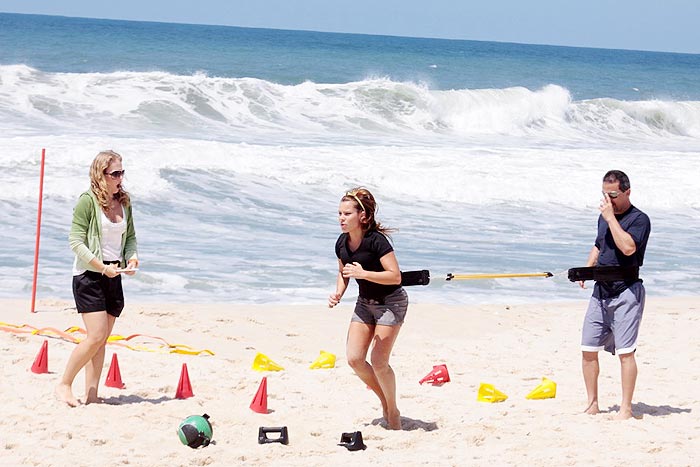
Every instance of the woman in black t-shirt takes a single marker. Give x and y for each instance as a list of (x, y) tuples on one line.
[(364, 253)]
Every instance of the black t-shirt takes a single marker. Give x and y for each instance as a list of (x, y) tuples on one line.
[(373, 247), (637, 224)]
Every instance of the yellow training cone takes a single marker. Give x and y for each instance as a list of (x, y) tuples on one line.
[(488, 393), (325, 360), (547, 389), (263, 363)]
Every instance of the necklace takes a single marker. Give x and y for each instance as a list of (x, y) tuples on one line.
[(113, 212)]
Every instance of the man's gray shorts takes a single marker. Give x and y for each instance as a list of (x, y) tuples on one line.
[(388, 312), (612, 324)]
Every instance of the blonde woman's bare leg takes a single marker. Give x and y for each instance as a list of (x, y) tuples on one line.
[(96, 325), (93, 368)]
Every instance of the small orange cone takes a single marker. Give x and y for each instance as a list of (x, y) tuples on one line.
[(184, 388), (41, 362), (259, 403), (114, 376), (437, 377)]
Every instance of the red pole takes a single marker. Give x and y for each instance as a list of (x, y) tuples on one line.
[(38, 228)]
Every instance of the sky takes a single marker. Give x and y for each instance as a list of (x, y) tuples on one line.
[(658, 25)]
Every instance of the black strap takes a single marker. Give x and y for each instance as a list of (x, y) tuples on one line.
[(415, 277), (604, 273)]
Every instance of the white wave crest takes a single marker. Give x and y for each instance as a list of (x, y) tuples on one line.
[(135, 104)]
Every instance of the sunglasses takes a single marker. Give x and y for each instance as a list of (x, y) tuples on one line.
[(116, 174), (612, 194)]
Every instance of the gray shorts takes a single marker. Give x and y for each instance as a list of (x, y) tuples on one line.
[(612, 324), (389, 313)]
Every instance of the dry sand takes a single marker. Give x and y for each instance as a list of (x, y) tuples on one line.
[(512, 347)]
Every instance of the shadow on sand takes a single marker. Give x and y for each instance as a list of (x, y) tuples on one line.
[(408, 424), (641, 408), (134, 399)]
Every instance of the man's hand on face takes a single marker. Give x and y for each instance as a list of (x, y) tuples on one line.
[(606, 208)]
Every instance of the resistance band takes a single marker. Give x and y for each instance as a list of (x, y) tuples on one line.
[(460, 277), (114, 339)]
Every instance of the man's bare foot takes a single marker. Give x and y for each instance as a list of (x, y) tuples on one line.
[(65, 394), (592, 408), (625, 415), (393, 420)]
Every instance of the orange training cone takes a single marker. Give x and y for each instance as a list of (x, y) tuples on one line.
[(114, 376), (184, 388), (437, 377), (41, 362), (259, 403)]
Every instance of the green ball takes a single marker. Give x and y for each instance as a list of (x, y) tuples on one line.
[(195, 431)]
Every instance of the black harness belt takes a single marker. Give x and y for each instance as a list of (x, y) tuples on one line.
[(415, 277), (604, 273)]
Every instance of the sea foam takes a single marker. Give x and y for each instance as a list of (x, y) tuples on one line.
[(157, 104)]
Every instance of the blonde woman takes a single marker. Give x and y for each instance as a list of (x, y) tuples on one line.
[(365, 254), (104, 242)]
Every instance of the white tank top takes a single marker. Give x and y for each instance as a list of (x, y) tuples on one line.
[(112, 238)]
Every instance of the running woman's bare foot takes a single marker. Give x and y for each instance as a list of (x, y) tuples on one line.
[(393, 420), (94, 400), (65, 394)]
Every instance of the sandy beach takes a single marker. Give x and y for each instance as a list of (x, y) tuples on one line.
[(511, 347)]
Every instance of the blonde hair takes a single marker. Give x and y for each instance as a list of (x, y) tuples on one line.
[(98, 183), (365, 202)]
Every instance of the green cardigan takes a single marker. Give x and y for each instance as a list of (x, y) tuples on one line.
[(86, 233)]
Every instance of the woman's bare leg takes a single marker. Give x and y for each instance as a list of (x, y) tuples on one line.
[(360, 337), (93, 368), (97, 326), (384, 338)]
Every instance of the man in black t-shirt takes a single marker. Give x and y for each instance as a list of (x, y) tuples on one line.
[(615, 310)]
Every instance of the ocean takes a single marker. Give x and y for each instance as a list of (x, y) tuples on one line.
[(238, 144)]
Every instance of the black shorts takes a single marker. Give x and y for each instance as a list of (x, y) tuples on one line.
[(94, 292), (390, 311)]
